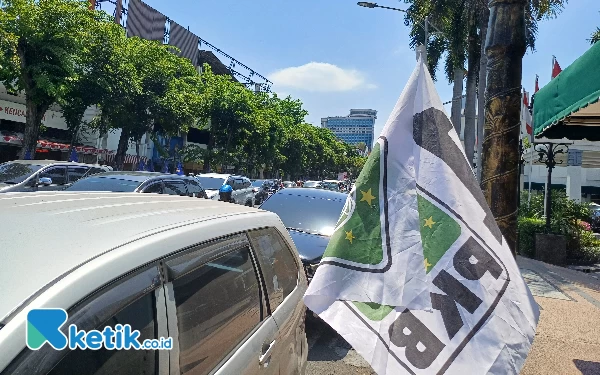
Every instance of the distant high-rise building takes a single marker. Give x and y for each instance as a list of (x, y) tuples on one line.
[(354, 128)]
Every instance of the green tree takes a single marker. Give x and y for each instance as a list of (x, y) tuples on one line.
[(595, 36), (98, 75), (160, 93), (42, 42), (228, 109)]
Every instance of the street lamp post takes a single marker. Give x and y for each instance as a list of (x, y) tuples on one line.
[(547, 153)]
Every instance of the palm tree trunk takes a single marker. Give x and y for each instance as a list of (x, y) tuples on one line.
[(472, 74), (505, 48), (481, 88), (457, 90)]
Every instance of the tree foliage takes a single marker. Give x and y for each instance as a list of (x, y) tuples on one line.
[(42, 43), (59, 51)]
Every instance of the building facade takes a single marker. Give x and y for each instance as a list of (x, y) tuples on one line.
[(355, 128)]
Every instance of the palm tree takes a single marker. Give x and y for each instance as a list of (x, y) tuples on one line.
[(464, 26)]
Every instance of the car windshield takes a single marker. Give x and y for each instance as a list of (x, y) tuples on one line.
[(119, 185), (15, 173), (330, 185), (258, 183), (310, 214), (311, 184), (211, 183)]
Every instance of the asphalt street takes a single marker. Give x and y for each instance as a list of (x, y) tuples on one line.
[(329, 353)]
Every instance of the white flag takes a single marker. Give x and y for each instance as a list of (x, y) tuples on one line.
[(417, 277)]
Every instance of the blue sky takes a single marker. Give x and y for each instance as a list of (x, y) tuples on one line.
[(335, 55)]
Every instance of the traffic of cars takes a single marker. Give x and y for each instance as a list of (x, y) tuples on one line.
[(225, 282)]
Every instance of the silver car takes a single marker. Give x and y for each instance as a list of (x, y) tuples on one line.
[(43, 175), (220, 283), (243, 192)]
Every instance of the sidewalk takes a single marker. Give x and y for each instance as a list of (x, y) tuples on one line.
[(568, 334)]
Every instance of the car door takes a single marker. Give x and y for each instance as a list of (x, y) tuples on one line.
[(248, 194), (58, 175), (175, 187), (217, 311), (286, 284)]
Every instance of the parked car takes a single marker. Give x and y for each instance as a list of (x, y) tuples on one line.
[(43, 175), (261, 189), (242, 187), (289, 184), (310, 215), (313, 184), (221, 280), (141, 182)]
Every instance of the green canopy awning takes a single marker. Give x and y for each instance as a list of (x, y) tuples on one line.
[(568, 106)]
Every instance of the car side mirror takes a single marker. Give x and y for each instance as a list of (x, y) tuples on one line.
[(45, 181)]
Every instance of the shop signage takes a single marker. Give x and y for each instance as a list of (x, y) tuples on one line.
[(17, 112)]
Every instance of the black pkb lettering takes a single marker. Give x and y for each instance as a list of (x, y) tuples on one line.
[(483, 261), (447, 306), (417, 334), (456, 292)]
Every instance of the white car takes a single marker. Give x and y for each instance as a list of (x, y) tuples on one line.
[(222, 283), (242, 187)]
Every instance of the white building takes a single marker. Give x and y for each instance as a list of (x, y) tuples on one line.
[(54, 139)]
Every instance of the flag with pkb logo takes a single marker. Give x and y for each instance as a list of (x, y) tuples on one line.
[(417, 277)]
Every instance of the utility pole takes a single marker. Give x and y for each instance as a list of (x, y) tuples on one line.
[(118, 12)]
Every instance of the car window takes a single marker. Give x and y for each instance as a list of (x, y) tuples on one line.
[(218, 305), (238, 184), (141, 316), (279, 268), (98, 183), (95, 170), (57, 174), (247, 183), (130, 300), (194, 189), (75, 173), (15, 173), (211, 183), (155, 187), (172, 187)]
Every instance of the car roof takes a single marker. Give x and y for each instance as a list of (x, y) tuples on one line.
[(138, 176), (314, 193), (48, 162), (45, 235)]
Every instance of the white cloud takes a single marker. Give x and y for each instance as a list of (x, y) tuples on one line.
[(321, 77)]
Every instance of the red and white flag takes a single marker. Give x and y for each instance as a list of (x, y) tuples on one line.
[(526, 118), (556, 69)]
